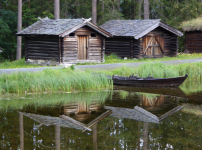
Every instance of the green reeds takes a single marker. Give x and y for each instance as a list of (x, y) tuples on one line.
[(64, 80), (160, 70)]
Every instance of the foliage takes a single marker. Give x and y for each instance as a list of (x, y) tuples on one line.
[(64, 80), (160, 70), (8, 29)]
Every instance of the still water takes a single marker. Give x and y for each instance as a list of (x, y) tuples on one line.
[(126, 118)]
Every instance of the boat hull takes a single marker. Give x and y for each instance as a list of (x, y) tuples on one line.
[(145, 82)]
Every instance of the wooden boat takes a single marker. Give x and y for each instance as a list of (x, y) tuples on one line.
[(149, 81)]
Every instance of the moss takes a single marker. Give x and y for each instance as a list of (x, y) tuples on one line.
[(194, 24)]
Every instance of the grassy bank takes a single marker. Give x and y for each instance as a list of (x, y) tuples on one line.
[(16, 64), (64, 80), (108, 60), (158, 70), (114, 59)]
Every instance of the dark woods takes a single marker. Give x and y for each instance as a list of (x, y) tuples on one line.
[(172, 12)]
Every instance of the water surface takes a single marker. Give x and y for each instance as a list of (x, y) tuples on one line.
[(125, 118)]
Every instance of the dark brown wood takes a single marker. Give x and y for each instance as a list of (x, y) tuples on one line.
[(149, 81), (193, 40)]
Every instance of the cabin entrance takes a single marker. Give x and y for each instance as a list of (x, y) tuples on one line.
[(153, 46), (82, 47)]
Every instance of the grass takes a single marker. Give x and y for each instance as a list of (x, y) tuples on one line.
[(16, 64), (160, 70), (16, 101), (108, 60), (114, 59), (62, 80), (194, 24)]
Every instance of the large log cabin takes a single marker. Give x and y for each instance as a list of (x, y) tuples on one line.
[(141, 38), (64, 41)]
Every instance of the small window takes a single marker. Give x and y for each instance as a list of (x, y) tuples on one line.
[(93, 35), (72, 34)]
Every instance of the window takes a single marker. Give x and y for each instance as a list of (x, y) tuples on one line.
[(93, 35), (72, 34)]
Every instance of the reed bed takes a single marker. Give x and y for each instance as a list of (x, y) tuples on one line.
[(64, 80), (160, 70)]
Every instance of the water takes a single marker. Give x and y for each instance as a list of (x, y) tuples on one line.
[(125, 118)]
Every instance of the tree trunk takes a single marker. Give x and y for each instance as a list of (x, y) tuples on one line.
[(19, 38), (103, 7), (57, 137), (94, 11), (146, 9), (134, 12), (56, 9), (145, 136), (118, 5), (140, 9), (21, 131)]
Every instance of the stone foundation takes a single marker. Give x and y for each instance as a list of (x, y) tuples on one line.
[(43, 62)]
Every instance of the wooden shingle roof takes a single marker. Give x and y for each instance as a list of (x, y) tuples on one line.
[(136, 28), (60, 27)]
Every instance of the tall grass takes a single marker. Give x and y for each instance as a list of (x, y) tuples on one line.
[(160, 70), (49, 80)]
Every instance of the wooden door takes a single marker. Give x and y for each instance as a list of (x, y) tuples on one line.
[(82, 47), (154, 45)]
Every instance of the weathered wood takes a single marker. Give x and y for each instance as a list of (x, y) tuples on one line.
[(82, 47)]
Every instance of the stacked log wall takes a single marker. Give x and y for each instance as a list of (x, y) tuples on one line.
[(119, 46), (42, 48), (193, 41)]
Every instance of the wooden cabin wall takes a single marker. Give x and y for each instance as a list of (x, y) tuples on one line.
[(193, 41), (94, 50), (42, 48), (122, 47), (170, 42)]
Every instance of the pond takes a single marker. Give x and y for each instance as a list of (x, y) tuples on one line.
[(126, 118)]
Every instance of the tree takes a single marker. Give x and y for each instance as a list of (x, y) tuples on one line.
[(94, 11), (19, 38), (56, 9), (146, 9)]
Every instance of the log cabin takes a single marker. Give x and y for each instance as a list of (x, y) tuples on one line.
[(141, 38), (193, 35), (60, 41)]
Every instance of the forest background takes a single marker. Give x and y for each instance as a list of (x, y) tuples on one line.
[(171, 12)]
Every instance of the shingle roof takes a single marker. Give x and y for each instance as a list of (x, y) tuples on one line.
[(136, 28), (58, 27)]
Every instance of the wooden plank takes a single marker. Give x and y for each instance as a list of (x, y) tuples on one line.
[(148, 44), (70, 39)]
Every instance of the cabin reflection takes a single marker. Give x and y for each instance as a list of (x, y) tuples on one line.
[(78, 115), (85, 115)]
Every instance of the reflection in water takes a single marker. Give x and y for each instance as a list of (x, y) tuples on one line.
[(135, 120)]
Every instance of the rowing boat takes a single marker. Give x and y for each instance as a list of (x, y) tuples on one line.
[(149, 81)]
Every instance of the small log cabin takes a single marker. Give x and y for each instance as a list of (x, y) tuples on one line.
[(193, 35), (64, 41), (141, 38)]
